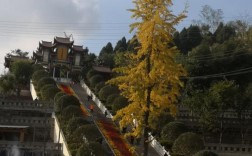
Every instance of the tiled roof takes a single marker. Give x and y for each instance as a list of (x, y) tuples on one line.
[(63, 40), (102, 69), (78, 48), (47, 44), (17, 58)]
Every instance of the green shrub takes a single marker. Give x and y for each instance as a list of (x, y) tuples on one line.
[(58, 96), (46, 86), (187, 144), (84, 150), (71, 111), (119, 103), (44, 81), (94, 80), (106, 91), (48, 91), (65, 101), (99, 86), (110, 99), (90, 132), (93, 148), (172, 130), (37, 75), (74, 123)]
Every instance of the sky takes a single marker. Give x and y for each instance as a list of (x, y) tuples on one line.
[(91, 23)]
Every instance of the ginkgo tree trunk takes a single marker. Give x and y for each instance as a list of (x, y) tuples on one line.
[(151, 80)]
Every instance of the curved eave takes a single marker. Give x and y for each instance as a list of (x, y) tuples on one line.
[(46, 46), (70, 43)]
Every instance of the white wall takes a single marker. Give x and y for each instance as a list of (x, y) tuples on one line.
[(56, 130), (33, 92), (59, 137)]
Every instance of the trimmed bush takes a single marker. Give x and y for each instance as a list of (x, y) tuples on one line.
[(205, 153), (65, 101), (94, 80), (84, 150), (73, 147), (99, 86), (45, 81), (58, 96), (48, 91), (106, 91), (172, 130), (110, 99), (71, 111), (93, 148), (37, 75), (74, 123), (90, 132), (119, 103), (187, 144)]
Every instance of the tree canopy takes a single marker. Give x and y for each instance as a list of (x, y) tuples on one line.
[(145, 81)]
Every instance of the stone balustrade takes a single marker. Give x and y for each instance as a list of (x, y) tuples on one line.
[(234, 149), (30, 145), (53, 149), (185, 112), (26, 105), (29, 121)]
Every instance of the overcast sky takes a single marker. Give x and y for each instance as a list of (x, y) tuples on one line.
[(92, 23)]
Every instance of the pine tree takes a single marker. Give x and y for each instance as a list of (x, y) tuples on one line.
[(151, 82)]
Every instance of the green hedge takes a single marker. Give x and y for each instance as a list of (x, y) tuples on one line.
[(172, 130), (106, 91), (187, 144)]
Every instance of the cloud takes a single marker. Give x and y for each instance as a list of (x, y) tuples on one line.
[(23, 23)]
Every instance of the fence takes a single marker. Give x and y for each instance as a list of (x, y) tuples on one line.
[(229, 149), (154, 143), (96, 100)]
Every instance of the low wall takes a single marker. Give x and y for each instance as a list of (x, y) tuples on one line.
[(230, 149), (59, 137), (58, 134)]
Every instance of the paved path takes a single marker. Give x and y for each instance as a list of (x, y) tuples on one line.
[(98, 116)]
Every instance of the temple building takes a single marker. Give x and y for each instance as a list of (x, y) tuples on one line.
[(12, 58), (61, 57), (27, 128)]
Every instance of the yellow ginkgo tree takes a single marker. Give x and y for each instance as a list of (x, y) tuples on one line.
[(151, 80)]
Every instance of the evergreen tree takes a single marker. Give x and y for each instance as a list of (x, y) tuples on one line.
[(121, 45), (106, 56)]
